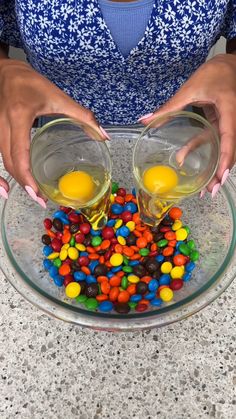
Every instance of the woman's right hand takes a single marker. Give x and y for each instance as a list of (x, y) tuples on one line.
[(24, 96)]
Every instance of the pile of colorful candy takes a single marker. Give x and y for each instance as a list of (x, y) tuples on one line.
[(127, 265)]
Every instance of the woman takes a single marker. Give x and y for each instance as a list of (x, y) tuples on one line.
[(114, 62)]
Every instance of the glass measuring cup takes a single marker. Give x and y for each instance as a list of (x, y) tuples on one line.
[(175, 156), (73, 168)]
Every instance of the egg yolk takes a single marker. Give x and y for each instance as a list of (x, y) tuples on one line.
[(160, 179), (77, 185)]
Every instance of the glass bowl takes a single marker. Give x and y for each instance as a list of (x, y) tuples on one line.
[(212, 223)]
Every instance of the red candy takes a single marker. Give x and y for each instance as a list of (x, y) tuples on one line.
[(56, 245), (83, 261), (47, 223), (121, 192), (79, 238), (126, 216), (74, 218), (108, 233), (85, 228), (176, 284)]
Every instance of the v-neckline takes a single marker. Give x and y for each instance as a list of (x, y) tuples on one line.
[(140, 42)]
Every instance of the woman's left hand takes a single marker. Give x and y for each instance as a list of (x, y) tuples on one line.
[(212, 87)]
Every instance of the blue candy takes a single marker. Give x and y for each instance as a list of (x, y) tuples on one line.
[(116, 269), (93, 265), (58, 280), (79, 276), (47, 264), (190, 266), (53, 271), (134, 263), (134, 192), (91, 279), (111, 223), (124, 231), (157, 302), (117, 209), (160, 258), (136, 298), (95, 232), (178, 244), (105, 306), (164, 279), (59, 214), (150, 296), (65, 220), (110, 275), (187, 276), (131, 206), (47, 250), (153, 285), (83, 254)]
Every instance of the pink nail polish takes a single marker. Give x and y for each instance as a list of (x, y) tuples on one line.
[(215, 190), (31, 192), (41, 202), (224, 177), (202, 193), (104, 133), (145, 116), (3, 193)]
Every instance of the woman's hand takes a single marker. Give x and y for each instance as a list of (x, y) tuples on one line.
[(24, 96), (212, 87)]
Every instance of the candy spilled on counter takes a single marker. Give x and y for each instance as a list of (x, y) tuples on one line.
[(125, 266)]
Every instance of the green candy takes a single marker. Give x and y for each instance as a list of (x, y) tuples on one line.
[(191, 245), (162, 243), (96, 241), (81, 298), (194, 256), (127, 269), (124, 282), (114, 187), (91, 303), (125, 260), (57, 262), (132, 304), (187, 229), (144, 251), (184, 249), (72, 241)]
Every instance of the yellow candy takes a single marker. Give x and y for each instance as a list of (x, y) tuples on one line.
[(121, 240), (166, 294), (77, 185), (177, 225), (181, 234), (133, 279), (118, 224), (63, 254), (116, 259), (73, 289), (53, 255), (160, 179), (166, 267), (131, 225), (73, 253), (65, 246), (112, 198), (81, 247), (177, 272)]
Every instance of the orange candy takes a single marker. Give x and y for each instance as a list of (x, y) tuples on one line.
[(105, 244), (64, 270), (136, 218), (113, 294), (101, 297), (131, 289), (66, 237), (86, 270), (120, 200), (102, 278), (168, 251), (175, 213), (123, 297), (153, 247), (127, 251), (136, 256), (146, 279), (137, 233), (93, 256), (90, 249), (128, 197), (51, 234), (141, 242), (118, 248), (101, 260), (148, 236), (170, 235), (115, 281), (172, 243), (105, 287)]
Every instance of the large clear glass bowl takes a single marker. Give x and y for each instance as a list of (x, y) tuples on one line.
[(212, 223)]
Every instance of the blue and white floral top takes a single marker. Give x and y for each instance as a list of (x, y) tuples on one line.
[(69, 42)]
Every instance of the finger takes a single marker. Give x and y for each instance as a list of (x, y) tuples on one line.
[(192, 145), (4, 188), (20, 154)]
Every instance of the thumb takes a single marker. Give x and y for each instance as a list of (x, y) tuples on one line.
[(62, 104)]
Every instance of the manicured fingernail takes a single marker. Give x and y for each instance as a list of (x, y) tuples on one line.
[(31, 192), (145, 116), (202, 193), (3, 193), (105, 133), (224, 177), (41, 202), (215, 190)]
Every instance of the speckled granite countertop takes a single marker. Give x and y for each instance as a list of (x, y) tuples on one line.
[(50, 369)]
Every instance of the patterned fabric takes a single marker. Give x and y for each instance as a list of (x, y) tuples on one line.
[(69, 42)]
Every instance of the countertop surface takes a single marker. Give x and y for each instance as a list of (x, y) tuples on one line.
[(50, 369)]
